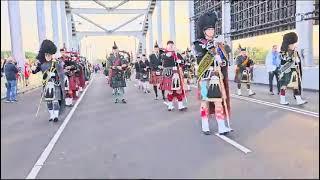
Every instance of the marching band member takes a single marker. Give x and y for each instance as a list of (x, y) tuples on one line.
[(156, 70), (212, 84), (173, 77), (53, 78), (117, 65), (290, 69), (144, 73), (243, 71)]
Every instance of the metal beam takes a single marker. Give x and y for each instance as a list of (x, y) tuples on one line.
[(151, 6), (101, 4), (116, 33), (92, 22), (127, 22), (120, 4), (105, 11)]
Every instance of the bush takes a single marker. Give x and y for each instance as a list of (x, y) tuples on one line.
[(258, 55)]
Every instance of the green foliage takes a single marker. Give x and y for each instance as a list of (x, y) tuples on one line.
[(5, 54), (258, 55), (31, 56)]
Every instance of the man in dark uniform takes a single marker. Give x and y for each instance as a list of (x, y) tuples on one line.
[(156, 70)]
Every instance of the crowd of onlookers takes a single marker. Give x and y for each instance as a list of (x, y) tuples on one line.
[(14, 75)]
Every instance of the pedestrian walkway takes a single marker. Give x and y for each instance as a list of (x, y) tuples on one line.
[(35, 81), (141, 139)]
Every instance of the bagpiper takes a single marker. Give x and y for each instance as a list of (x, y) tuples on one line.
[(290, 73), (243, 71), (117, 65), (212, 73), (138, 71), (53, 78), (156, 71), (172, 81), (144, 73)]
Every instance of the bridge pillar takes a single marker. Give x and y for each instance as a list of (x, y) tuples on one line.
[(150, 33), (143, 43), (159, 23), (41, 21), (63, 17), (191, 22), (70, 37), (172, 23), (304, 30), (226, 25), (55, 24), (15, 33)]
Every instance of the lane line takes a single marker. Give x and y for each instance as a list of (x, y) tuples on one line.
[(43, 157), (235, 144), (300, 111), (289, 108), (274, 104)]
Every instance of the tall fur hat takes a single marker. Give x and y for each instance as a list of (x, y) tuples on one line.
[(47, 46), (207, 20), (156, 45), (114, 45), (289, 38)]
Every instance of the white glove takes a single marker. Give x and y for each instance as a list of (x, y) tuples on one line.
[(178, 61)]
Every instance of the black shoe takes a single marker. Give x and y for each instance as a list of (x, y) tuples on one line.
[(206, 132), (55, 119), (50, 120), (124, 101), (224, 133), (116, 101)]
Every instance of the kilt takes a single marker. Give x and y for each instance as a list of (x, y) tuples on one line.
[(154, 79), (72, 83), (166, 83)]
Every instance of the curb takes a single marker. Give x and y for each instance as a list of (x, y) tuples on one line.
[(304, 89)]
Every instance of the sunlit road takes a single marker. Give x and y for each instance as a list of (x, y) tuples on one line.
[(142, 139)]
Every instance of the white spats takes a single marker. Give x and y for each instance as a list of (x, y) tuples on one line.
[(205, 124), (170, 106), (180, 105), (56, 113), (222, 128), (51, 114), (68, 101), (80, 89), (283, 100), (239, 92), (300, 101), (250, 92)]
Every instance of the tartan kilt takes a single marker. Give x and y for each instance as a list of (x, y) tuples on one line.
[(154, 79), (72, 83), (166, 83)]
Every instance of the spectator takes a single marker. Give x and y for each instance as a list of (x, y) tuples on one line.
[(11, 70), (27, 71), (272, 66)]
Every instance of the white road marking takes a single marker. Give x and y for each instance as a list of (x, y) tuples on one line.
[(289, 108), (235, 144), (43, 157), (301, 111)]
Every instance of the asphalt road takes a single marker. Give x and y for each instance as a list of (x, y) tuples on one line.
[(142, 139)]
